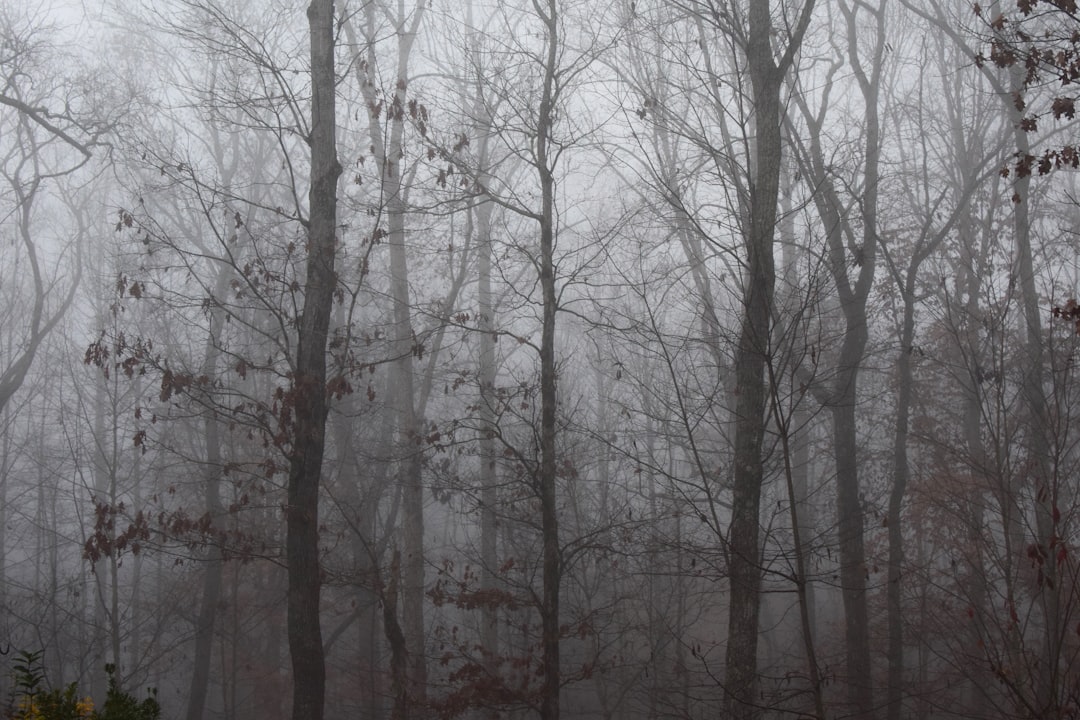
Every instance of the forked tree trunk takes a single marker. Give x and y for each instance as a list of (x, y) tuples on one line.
[(751, 358), (388, 147), (852, 294)]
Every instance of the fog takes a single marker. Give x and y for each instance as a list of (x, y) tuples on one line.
[(539, 358)]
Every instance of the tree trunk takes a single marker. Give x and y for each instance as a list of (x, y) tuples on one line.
[(488, 452), (751, 358), (978, 587), (546, 482), (794, 433), (901, 473), (410, 461), (211, 594), (1038, 434), (101, 493), (842, 397), (480, 217), (308, 392), (389, 151), (395, 637)]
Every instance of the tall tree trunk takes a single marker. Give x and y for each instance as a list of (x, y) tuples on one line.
[(488, 452), (308, 392), (901, 473), (103, 482), (410, 461), (794, 433), (546, 482), (135, 621), (978, 591), (212, 571), (852, 550), (977, 586), (212, 577), (842, 397), (389, 151), (480, 217), (1038, 433), (6, 466), (359, 495), (751, 358)]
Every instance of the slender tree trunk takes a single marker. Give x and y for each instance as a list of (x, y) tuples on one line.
[(901, 472), (360, 493), (546, 482), (978, 588), (395, 637), (6, 461), (135, 640), (1038, 436), (211, 591), (853, 568), (102, 473), (488, 452), (389, 151), (794, 436), (308, 393), (487, 370), (410, 431), (212, 570), (410, 463)]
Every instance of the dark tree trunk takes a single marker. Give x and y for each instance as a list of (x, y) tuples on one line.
[(211, 594), (549, 519), (852, 293), (752, 356), (853, 567), (850, 524), (901, 473), (308, 392)]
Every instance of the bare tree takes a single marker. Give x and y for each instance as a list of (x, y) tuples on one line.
[(309, 377), (46, 145), (853, 249), (395, 175)]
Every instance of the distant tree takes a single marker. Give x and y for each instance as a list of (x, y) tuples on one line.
[(853, 245), (48, 130), (387, 125)]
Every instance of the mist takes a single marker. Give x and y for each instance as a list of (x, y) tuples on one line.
[(539, 359)]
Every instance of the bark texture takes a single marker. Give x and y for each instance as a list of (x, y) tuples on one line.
[(308, 392), (752, 357)]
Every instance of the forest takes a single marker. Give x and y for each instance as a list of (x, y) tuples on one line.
[(628, 359)]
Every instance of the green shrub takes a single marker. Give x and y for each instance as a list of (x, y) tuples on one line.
[(33, 702), (120, 705)]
